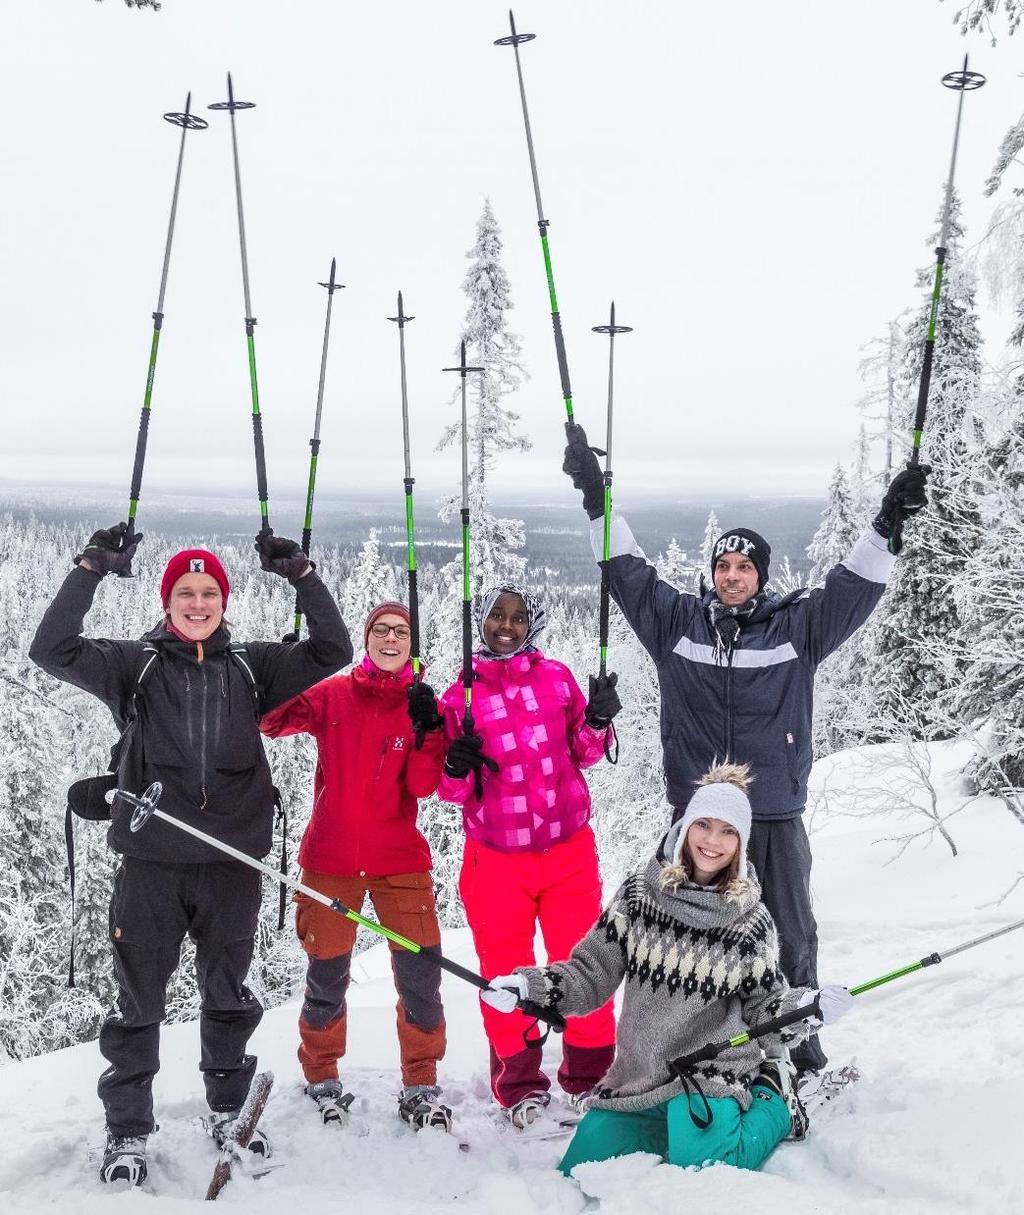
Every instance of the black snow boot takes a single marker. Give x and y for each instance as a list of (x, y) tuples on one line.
[(418, 1105), (221, 1126), (778, 1075), (124, 1159), (331, 1100)]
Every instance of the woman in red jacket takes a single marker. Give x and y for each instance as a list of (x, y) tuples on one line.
[(380, 746)]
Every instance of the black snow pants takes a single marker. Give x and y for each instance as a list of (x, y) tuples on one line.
[(781, 854), (153, 905)]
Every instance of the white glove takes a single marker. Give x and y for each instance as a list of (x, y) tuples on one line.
[(505, 992), (834, 1001)]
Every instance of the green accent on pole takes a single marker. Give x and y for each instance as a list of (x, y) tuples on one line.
[(133, 506), (148, 397), (548, 271), (417, 666), (308, 522), (603, 654), (871, 984), (384, 932), (252, 373), (410, 542), (467, 593), (607, 549), (918, 436), (936, 293)]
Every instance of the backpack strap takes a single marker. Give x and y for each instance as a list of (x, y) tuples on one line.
[(241, 658), (150, 655)]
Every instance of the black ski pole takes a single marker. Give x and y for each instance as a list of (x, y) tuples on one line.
[(467, 589), (611, 329), (962, 82), (713, 1049), (147, 807), (188, 122), (514, 40), (314, 442), (250, 321), (401, 320)]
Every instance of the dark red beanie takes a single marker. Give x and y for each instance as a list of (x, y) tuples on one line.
[(382, 609), (193, 561)]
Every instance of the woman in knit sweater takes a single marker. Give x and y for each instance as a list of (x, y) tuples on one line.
[(699, 954), (530, 855)]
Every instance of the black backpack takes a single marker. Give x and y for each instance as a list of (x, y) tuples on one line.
[(87, 798)]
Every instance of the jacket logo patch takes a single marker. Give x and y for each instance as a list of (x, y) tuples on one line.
[(196, 565), (398, 744)]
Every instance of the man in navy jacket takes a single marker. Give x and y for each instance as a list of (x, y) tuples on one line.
[(736, 673)]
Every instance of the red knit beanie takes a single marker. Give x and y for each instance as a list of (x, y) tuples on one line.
[(383, 609), (193, 561)]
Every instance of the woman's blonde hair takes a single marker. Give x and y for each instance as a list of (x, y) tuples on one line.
[(733, 884)]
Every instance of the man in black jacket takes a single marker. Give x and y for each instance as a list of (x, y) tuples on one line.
[(736, 671), (193, 727)]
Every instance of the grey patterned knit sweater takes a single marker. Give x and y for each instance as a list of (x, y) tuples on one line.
[(699, 968)]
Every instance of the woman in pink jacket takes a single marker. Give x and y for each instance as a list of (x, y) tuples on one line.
[(530, 855)]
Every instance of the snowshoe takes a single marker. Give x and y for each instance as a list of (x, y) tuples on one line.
[(818, 1088), (579, 1102), (124, 1159), (331, 1100), (419, 1106), (220, 1127), (778, 1074), (525, 1112)]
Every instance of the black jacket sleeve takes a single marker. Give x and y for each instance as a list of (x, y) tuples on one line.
[(104, 668), (283, 671)]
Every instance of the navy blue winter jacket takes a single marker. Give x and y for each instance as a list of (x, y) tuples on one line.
[(753, 706)]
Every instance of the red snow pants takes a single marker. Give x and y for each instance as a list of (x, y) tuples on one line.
[(506, 894)]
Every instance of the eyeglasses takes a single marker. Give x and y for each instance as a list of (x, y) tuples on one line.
[(401, 631)]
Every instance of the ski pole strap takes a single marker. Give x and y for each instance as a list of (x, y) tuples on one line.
[(551, 1018), (611, 744), (691, 1087)]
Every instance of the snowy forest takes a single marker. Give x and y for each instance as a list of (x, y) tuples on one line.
[(942, 658)]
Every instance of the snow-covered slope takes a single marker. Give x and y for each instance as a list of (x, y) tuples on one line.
[(931, 1128)]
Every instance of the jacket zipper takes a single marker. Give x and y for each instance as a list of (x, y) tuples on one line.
[(202, 727), (791, 760), (729, 724)]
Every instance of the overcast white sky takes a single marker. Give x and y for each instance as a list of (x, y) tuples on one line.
[(752, 182)]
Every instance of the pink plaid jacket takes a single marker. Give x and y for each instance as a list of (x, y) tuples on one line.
[(529, 712)]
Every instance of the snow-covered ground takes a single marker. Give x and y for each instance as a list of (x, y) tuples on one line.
[(931, 1128)]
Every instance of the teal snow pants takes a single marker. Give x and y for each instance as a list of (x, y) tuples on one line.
[(744, 1139)]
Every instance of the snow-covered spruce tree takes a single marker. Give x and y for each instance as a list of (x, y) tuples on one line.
[(838, 529), (990, 700), (712, 530), (674, 566), (372, 579), (492, 424), (881, 369), (914, 658)]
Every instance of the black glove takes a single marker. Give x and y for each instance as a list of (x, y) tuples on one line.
[(581, 465), (423, 711), (603, 702), (280, 556), (904, 497), (465, 755), (110, 550)]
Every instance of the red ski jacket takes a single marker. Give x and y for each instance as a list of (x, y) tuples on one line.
[(368, 774)]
